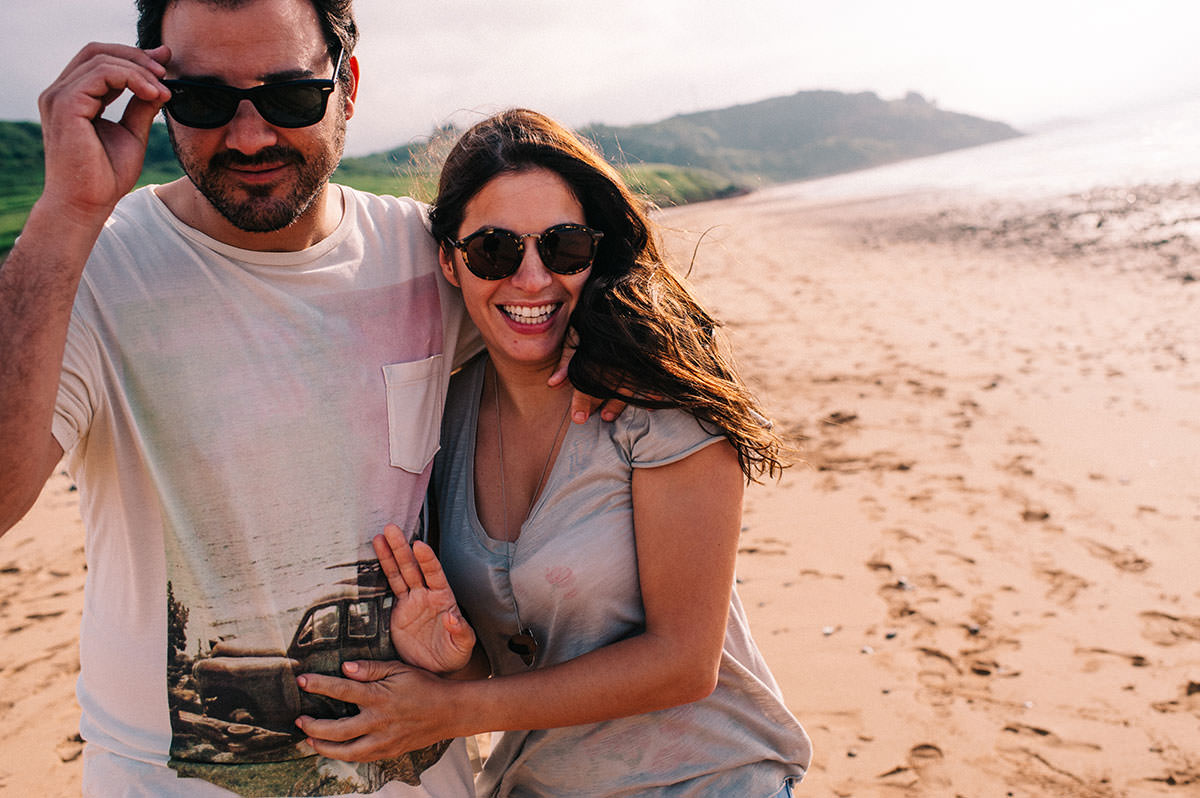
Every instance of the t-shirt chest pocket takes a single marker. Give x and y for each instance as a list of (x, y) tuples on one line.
[(416, 396)]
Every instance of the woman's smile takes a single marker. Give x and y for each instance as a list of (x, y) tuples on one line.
[(531, 315)]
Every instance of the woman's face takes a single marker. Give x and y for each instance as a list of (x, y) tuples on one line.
[(524, 317)]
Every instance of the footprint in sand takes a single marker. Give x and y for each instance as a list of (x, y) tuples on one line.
[(1188, 700), (1022, 436), (1018, 465), (1123, 560), (1169, 630), (938, 675), (1049, 738), (929, 763), (70, 748), (923, 773), (1064, 586), (764, 546), (1093, 664), (968, 411)]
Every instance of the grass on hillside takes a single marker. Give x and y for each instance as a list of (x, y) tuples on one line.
[(400, 184), (666, 185), (662, 184), (15, 202), (14, 209)]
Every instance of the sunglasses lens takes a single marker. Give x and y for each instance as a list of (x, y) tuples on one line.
[(201, 106), (291, 106), (493, 254), (567, 251), (298, 104)]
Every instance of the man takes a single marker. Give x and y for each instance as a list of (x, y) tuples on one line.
[(247, 381)]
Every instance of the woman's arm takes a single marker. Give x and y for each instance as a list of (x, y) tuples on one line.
[(687, 517)]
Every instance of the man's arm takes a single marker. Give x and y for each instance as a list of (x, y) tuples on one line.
[(91, 163)]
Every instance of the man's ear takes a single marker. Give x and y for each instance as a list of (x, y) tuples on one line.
[(446, 259), (352, 94)]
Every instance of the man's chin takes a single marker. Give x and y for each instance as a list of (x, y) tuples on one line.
[(260, 214)]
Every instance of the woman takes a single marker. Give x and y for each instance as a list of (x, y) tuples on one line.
[(595, 561)]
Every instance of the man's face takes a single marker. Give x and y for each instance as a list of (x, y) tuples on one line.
[(259, 177)]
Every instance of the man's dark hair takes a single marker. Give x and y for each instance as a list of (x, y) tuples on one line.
[(336, 18)]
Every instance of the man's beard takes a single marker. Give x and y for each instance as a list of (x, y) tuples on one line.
[(259, 211)]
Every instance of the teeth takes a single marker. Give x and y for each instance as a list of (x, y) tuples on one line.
[(530, 315)]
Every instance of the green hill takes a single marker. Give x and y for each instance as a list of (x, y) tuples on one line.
[(22, 172), (687, 158), (806, 135)]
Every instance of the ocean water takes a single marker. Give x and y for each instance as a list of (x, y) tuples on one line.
[(1156, 145)]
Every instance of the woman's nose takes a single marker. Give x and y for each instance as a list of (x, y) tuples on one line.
[(532, 275)]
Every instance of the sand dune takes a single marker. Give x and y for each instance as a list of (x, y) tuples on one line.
[(982, 580)]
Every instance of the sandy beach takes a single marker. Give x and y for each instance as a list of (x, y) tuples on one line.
[(981, 580)]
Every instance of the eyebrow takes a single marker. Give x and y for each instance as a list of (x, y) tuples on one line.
[(270, 77)]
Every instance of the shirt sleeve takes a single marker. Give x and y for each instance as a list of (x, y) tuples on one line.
[(459, 328), (468, 342), (77, 399), (660, 437)]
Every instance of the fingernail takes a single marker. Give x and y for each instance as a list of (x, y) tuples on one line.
[(350, 667), (580, 417), (302, 681)]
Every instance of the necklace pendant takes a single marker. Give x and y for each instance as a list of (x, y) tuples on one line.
[(524, 645)]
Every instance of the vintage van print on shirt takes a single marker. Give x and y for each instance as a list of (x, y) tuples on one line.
[(234, 700)]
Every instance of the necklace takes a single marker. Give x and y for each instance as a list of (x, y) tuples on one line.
[(523, 643)]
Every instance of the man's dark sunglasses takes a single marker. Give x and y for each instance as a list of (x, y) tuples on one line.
[(290, 103), (494, 253)]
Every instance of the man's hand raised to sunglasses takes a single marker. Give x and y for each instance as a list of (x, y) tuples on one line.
[(91, 162)]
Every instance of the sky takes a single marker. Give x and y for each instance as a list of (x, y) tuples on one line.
[(1030, 63)]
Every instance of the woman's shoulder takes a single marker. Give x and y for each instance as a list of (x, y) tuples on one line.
[(659, 436)]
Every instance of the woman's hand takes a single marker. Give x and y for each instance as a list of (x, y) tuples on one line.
[(401, 709), (582, 404), (427, 629)]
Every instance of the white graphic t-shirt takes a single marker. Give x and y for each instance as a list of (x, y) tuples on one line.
[(240, 424)]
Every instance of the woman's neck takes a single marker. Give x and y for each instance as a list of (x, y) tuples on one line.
[(523, 388)]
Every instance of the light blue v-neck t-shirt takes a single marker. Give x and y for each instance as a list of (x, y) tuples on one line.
[(574, 581)]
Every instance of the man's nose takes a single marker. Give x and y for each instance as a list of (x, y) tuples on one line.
[(248, 132)]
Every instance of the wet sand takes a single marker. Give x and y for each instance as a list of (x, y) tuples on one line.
[(981, 580)]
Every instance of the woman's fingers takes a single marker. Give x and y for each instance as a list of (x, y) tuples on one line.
[(404, 573), (430, 567), (410, 572), (387, 562)]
